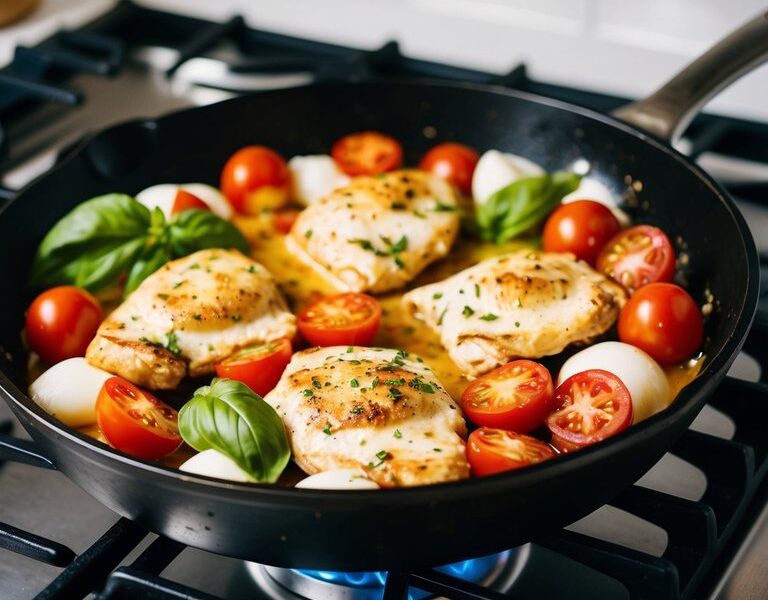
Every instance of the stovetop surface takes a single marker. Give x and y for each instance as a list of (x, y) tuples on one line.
[(171, 62)]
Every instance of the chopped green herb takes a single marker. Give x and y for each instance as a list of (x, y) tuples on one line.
[(350, 348), (178, 284), (397, 434), (398, 206), (134, 318), (519, 303), (399, 381), (382, 454), (236, 318), (327, 430), (399, 246), (442, 316), (375, 382), (517, 323), (418, 213), (437, 296), (252, 269), (442, 207), (437, 449), (394, 393), (197, 317), (163, 296), (316, 383), (210, 348), (308, 393), (477, 291), (194, 266), (468, 311), (354, 383), (399, 262), (364, 244), (308, 233), (172, 343), (489, 317)]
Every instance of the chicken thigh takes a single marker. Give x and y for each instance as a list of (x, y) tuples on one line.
[(521, 305), (377, 233), (380, 410), (187, 316)]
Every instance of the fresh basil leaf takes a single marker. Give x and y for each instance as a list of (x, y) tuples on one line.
[(150, 260), (522, 205), (229, 417), (194, 229), (93, 244)]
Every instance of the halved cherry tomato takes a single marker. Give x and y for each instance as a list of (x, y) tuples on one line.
[(491, 451), (367, 153), (582, 227), (258, 367), (593, 405), (516, 396), (255, 178), (663, 320), (61, 322), (344, 320), (638, 256), (284, 219), (454, 162), (135, 422), (184, 201)]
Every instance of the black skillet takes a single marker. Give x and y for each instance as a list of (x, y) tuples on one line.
[(434, 524)]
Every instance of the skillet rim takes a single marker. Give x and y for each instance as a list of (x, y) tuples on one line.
[(690, 398)]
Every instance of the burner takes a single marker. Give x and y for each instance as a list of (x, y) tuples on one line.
[(497, 572)]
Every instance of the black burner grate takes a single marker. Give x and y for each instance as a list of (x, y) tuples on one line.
[(697, 531)]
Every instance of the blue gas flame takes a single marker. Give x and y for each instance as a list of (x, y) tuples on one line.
[(475, 570)]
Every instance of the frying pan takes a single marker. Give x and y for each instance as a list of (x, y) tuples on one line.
[(427, 525)]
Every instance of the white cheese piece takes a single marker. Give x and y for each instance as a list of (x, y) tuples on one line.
[(338, 479), (592, 189), (163, 195), (315, 176), (496, 170), (215, 464), (68, 391), (642, 376)]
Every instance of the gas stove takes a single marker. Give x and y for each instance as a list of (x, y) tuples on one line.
[(695, 526)]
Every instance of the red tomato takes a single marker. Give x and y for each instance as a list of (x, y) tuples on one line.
[(184, 201), (135, 422), (516, 396), (454, 162), (344, 320), (255, 178), (663, 320), (593, 405), (258, 367), (367, 153), (61, 322), (491, 451), (582, 227), (283, 220), (638, 256)]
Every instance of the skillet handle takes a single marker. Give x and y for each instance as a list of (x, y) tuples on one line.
[(668, 111)]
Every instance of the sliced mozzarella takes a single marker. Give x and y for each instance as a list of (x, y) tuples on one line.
[(338, 479), (643, 377), (592, 189), (315, 176), (496, 170), (215, 464), (163, 195), (68, 391)]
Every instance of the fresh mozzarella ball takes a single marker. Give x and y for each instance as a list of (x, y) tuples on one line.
[(592, 189), (315, 176), (496, 170), (642, 376), (339, 479), (215, 464), (163, 195), (68, 391)]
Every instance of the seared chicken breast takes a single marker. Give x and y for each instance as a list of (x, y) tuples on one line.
[(380, 410), (187, 316), (524, 304), (377, 233)]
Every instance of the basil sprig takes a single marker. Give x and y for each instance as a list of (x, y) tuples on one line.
[(522, 204), (229, 417), (102, 238)]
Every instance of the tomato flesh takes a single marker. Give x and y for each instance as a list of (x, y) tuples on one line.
[(638, 256), (184, 201), (582, 227), (515, 396), (135, 422), (454, 162), (664, 321), (61, 322), (255, 178), (491, 451), (592, 406), (367, 153), (343, 320), (258, 367), (283, 219)]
